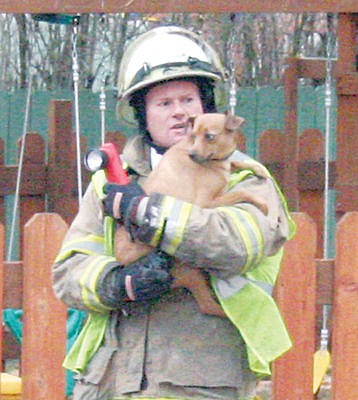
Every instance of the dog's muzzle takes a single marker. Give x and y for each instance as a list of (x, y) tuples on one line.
[(198, 158)]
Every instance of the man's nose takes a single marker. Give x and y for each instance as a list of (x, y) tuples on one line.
[(179, 109)]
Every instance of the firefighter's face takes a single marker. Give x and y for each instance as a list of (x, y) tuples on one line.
[(168, 107)]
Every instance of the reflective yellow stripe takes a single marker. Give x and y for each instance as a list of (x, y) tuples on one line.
[(181, 223), (237, 177), (91, 244), (88, 283), (99, 179), (173, 218), (249, 232), (86, 239), (109, 225), (174, 230), (166, 207)]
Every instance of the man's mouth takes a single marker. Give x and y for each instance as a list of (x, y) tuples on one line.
[(178, 126)]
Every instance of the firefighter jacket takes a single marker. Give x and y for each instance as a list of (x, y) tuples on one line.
[(169, 340)]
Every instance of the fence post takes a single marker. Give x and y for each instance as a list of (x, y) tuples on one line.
[(311, 179), (33, 180), (295, 295), (272, 153), (62, 190), (345, 310), (44, 332), (347, 91), (290, 173)]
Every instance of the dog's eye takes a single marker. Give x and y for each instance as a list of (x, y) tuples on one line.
[(209, 136)]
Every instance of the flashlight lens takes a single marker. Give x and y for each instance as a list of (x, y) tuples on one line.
[(95, 160)]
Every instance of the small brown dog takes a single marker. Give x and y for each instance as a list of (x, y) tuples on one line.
[(196, 169)]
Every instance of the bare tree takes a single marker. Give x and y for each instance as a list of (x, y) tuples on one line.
[(257, 44)]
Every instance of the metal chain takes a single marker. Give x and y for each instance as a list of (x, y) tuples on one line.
[(102, 108), (232, 67), (20, 167), (75, 71), (25, 127), (102, 95), (74, 50), (328, 108), (327, 198)]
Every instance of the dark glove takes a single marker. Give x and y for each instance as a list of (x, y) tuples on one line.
[(149, 277), (143, 280), (120, 199)]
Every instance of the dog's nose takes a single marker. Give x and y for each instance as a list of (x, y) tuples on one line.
[(194, 156)]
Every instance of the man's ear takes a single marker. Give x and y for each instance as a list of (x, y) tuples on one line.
[(233, 122)]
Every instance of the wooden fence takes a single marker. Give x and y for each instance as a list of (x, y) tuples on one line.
[(51, 186), (48, 186), (304, 282)]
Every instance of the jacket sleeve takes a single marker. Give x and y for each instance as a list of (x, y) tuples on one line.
[(226, 240), (82, 259)]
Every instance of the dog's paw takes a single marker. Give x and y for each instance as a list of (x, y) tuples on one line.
[(251, 165)]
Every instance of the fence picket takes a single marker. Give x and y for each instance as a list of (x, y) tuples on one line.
[(345, 310), (272, 152), (311, 155), (44, 331), (33, 180), (62, 179), (295, 294)]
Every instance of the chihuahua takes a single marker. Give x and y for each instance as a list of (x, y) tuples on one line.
[(197, 170)]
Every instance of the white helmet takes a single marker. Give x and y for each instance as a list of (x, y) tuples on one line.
[(165, 53)]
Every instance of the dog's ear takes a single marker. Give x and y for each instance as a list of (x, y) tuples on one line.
[(233, 122), (191, 120)]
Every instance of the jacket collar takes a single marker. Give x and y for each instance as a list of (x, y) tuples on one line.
[(136, 154)]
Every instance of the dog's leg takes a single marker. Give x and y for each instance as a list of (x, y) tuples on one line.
[(125, 250), (193, 280), (241, 196), (253, 166)]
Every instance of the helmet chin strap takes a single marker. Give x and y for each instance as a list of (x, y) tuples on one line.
[(157, 148)]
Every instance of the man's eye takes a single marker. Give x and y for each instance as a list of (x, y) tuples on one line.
[(209, 136)]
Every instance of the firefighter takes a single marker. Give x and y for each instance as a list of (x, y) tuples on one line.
[(159, 345)]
